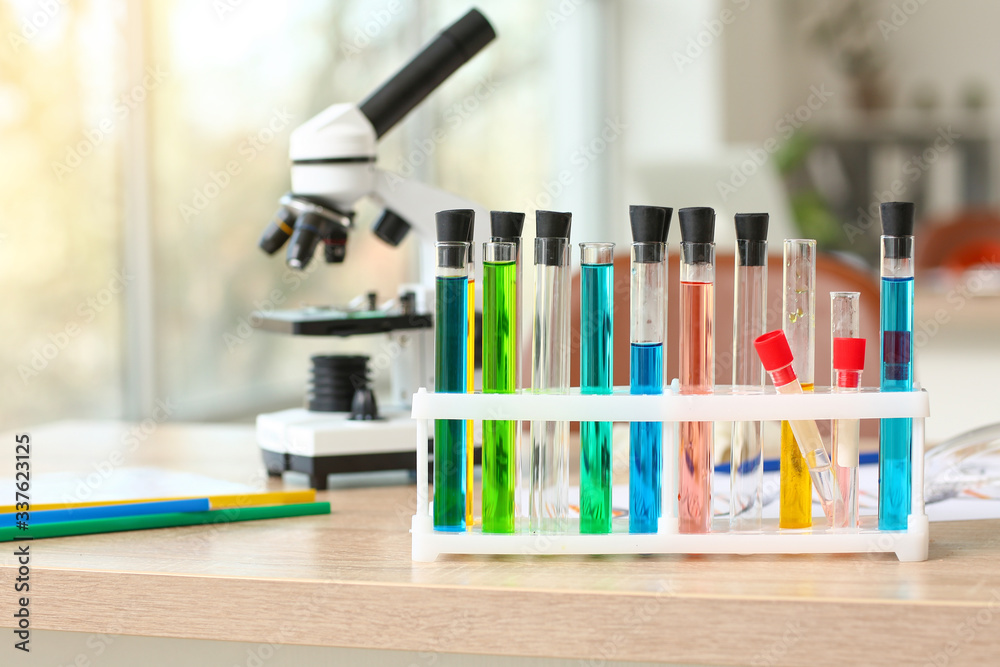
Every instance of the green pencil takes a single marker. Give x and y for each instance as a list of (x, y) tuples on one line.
[(173, 520)]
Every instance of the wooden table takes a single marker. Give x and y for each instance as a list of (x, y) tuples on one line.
[(347, 580)]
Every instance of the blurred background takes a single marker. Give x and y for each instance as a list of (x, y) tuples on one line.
[(128, 260)]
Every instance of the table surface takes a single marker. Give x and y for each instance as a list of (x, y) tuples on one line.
[(347, 580)]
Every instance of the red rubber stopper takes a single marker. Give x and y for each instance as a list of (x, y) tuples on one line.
[(773, 350), (849, 354)]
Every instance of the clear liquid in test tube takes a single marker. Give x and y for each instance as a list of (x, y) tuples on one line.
[(548, 476), (697, 366), (746, 469)]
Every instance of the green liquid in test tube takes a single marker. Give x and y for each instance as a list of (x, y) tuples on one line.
[(499, 377)]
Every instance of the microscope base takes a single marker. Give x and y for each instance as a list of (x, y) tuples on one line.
[(325, 443)]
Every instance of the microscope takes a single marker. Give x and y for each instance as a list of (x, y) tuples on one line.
[(342, 429)]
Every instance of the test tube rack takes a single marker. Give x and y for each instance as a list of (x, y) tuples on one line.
[(909, 545)]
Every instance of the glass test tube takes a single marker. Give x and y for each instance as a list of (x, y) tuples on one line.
[(470, 345), (798, 308), (697, 366), (507, 226), (746, 469), (845, 332), (895, 435), (648, 331), (548, 501), (450, 366), (596, 356), (499, 375), (775, 355)]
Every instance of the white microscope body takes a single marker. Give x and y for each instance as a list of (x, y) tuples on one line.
[(333, 167)]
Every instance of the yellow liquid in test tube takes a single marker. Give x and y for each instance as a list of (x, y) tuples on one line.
[(470, 445), (796, 485)]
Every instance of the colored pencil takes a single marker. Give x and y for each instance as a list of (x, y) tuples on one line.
[(218, 501), (173, 520), (107, 511)]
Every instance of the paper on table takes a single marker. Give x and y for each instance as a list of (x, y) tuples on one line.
[(121, 484), (962, 508)]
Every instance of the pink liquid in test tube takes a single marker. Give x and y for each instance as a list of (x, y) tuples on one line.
[(697, 366)]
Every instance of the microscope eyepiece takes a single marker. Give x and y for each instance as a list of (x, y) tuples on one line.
[(450, 49)]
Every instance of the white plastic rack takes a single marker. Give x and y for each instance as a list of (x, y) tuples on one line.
[(671, 407)]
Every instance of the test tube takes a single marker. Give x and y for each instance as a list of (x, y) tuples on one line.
[(499, 375), (776, 356), (470, 345), (848, 361), (664, 470), (507, 226), (548, 484), (596, 357), (798, 309), (895, 435), (746, 467), (647, 334), (697, 365), (450, 364)]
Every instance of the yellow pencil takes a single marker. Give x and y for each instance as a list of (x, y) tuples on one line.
[(218, 502)]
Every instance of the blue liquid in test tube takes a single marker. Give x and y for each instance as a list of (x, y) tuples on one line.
[(895, 435), (596, 293)]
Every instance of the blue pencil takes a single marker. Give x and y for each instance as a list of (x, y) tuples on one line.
[(9, 520)]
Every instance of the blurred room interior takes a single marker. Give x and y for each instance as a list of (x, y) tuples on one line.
[(145, 144)]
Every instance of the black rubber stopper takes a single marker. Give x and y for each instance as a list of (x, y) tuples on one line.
[(697, 224), (455, 225), (552, 224), (669, 213), (648, 223), (506, 225), (897, 218), (752, 227), (390, 227)]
